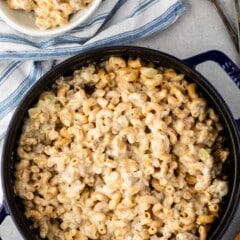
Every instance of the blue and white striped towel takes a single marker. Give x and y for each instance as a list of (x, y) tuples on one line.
[(24, 59)]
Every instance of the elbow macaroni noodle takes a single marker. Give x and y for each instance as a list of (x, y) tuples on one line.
[(50, 13), (121, 150)]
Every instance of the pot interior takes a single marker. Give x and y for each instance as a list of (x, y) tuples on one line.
[(231, 168)]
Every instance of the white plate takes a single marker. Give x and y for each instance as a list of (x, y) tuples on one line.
[(24, 22)]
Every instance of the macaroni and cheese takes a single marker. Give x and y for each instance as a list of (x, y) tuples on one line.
[(50, 13), (122, 149)]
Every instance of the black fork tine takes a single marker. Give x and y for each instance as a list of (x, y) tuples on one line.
[(226, 22), (237, 6)]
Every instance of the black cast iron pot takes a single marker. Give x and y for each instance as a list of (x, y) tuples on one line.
[(220, 230)]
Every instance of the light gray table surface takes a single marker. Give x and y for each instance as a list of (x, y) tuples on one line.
[(200, 29)]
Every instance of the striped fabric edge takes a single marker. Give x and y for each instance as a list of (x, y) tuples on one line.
[(9, 70), (172, 13), (15, 97), (142, 7)]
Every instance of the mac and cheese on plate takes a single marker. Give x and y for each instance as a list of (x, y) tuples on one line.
[(50, 13)]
